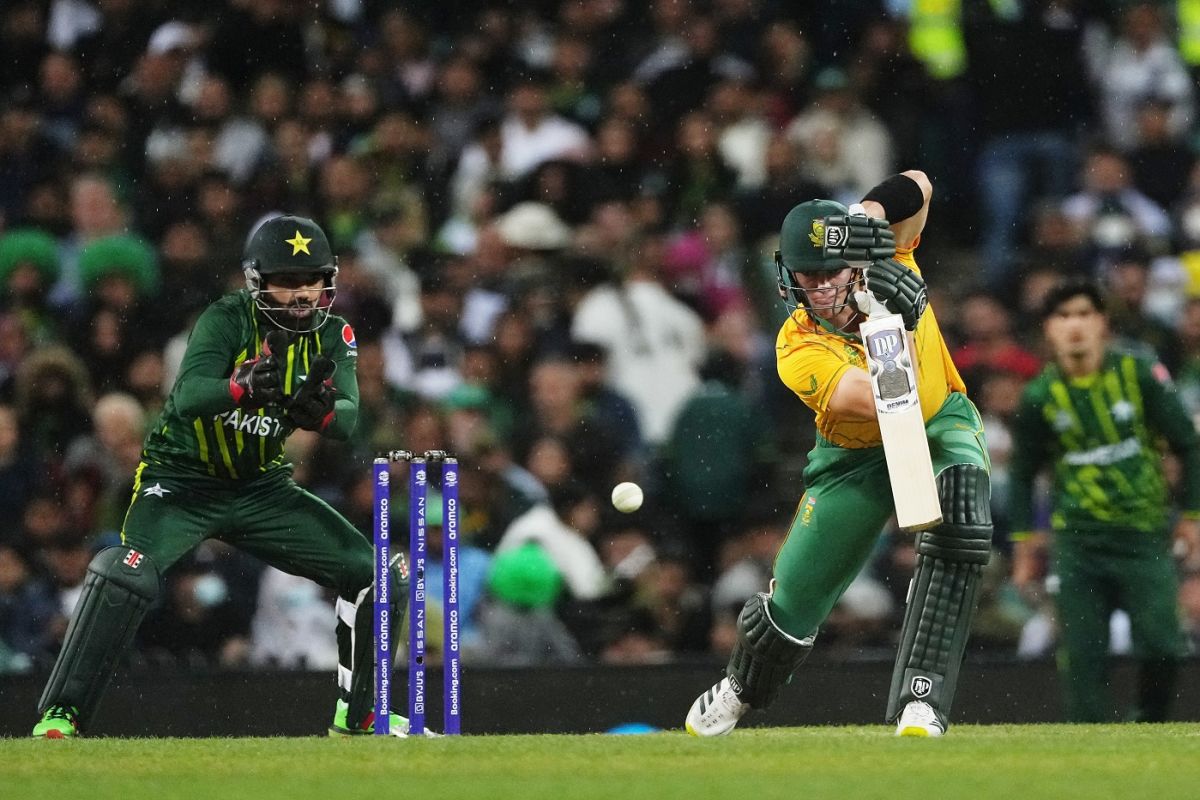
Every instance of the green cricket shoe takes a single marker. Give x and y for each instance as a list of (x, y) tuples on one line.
[(59, 722), (398, 724)]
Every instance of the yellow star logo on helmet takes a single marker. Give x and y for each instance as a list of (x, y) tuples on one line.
[(299, 244), (817, 237)]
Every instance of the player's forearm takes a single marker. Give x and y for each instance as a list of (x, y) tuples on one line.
[(198, 396), (903, 200), (1020, 499), (1189, 491), (852, 398)]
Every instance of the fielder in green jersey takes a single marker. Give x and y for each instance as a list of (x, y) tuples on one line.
[(260, 363), (1097, 418)]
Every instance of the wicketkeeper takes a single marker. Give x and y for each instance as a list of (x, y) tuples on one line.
[(260, 363), (823, 255)]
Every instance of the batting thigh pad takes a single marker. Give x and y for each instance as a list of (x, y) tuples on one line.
[(941, 596), (764, 657), (120, 587)]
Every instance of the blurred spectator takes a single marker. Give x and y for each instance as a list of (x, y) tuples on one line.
[(988, 342), (556, 408), (744, 133), (532, 133), (784, 180), (1142, 63), (573, 556), (18, 471), (517, 623), (291, 627), (845, 147), (1163, 158), (698, 174), (1132, 327), (654, 342), (53, 400), (28, 268), (1031, 107), (603, 402), (1112, 214), (96, 212), (427, 360), (707, 265), (112, 452), (715, 460), (250, 39), (198, 620), (27, 607)]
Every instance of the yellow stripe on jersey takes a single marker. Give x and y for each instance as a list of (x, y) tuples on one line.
[(224, 448), (811, 362), (1103, 413), (291, 369), (137, 487), (202, 443), (1133, 390)]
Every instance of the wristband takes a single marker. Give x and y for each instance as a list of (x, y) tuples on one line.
[(900, 196)]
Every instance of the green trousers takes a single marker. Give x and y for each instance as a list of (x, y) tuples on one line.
[(269, 517), (847, 503), (1099, 573)]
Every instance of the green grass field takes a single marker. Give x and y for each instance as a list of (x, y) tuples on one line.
[(1014, 762)]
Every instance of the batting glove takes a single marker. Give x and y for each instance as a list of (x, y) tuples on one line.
[(900, 289), (858, 238)]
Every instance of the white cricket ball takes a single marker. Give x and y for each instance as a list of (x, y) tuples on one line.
[(627, 497)]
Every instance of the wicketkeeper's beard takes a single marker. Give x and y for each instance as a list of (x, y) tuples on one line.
[(299, 316)]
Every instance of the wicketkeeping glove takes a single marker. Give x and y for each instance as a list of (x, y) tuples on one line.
[(900, 289), (311, 407), (256, 382), (857, 237)]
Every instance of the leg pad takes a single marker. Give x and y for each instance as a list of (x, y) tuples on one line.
[(941, 601), (764, 657), (362, 683), (121, 586)]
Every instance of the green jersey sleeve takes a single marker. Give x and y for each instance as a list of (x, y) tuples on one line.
[(1167, 417), (338, 343), (1030, 453), (202, 388)]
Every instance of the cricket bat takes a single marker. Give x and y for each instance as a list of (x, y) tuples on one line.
[(892, 366)]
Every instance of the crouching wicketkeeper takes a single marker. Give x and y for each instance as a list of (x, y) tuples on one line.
[(260, 363)]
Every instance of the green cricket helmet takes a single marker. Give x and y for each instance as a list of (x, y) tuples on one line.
[(803, 240), (292, 246)]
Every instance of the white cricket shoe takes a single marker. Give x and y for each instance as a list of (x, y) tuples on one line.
[(919, 719), (716, 712)]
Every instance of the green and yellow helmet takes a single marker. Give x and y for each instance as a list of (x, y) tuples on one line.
[(290, 245), (803, 240)]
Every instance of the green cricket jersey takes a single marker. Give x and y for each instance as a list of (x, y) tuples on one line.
[(1102, 435), (202, 430)]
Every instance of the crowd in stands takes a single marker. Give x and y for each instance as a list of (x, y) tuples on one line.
[(554, 222)]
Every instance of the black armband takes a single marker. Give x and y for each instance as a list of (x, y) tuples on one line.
[(900, 196)]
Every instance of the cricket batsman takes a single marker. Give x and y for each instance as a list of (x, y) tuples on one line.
[(260, 363), (824, 254), (1095, 418)]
